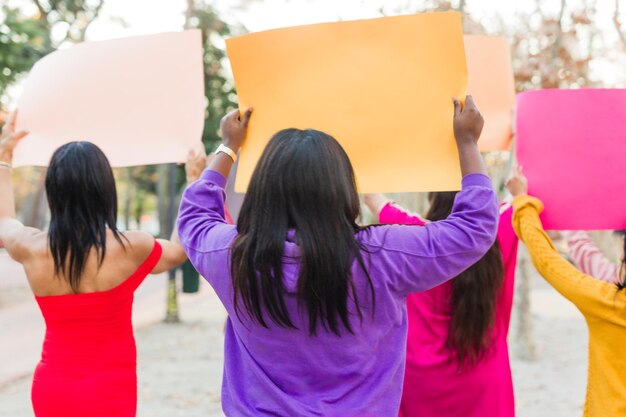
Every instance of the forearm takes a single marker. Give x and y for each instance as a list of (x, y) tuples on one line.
[(443, 248), (173, 253), (470, 158), (7, 198), (393, 214), (201, 212), (375, 203), (221, 163), (562, 275), (590, 259)]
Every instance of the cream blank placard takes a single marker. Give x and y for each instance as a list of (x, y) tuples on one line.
[(382, 87), (492, 84), (140, 99)]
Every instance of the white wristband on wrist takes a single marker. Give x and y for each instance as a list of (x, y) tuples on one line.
[(225, 149)]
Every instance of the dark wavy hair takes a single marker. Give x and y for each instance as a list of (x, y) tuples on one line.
[(474, 295), (83, 203), (304, 181)]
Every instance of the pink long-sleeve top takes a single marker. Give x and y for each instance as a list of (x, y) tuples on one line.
[(433, 384), (589, 259)]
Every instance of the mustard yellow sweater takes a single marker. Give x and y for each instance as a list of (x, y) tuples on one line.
[(603, 306)]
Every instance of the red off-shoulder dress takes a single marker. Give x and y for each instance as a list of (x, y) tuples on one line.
[(88, 361)]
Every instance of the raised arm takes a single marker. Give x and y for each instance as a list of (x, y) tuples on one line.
[(589, 259), (583, 290), (202, 225), (417, 259), (173, 253), (16, 237), (388, 212)]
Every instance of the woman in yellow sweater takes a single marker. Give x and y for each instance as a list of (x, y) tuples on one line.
[(603, 305)]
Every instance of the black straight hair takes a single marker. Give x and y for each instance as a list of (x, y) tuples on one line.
[(474, 295), (83, 203), (304, 181)]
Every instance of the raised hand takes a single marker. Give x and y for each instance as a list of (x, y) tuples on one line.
[(517, 182), (196, 162), (9, 139), (234, 128), (468, 122)]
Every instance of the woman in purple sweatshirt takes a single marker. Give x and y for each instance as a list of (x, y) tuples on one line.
[(317, 319)]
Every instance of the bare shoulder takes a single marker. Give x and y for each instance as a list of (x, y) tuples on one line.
[(138, 244)]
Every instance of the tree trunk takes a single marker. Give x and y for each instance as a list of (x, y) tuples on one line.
[(525, 343), (35, 207), (167, 217), (128, 198)]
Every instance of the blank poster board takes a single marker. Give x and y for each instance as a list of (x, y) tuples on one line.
[(382, 87), (140, 99), (571, 144), (491, 83)]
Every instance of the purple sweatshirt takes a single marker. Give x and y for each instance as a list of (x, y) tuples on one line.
[(285, 372)]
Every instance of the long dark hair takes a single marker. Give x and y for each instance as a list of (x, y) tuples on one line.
[(474, 295), (83, 202), (304, 182)]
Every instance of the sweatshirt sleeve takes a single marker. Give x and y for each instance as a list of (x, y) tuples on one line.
[(587, 293), (589, 259), (391, 213), (202, 228), (414, 259)]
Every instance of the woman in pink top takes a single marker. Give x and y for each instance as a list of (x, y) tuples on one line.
[(457, 362)]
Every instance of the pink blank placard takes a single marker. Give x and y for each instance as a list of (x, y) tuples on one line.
[(141, 99), (571, 144)]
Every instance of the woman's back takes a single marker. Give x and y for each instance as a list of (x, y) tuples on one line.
[(89, 347), (120, 262), (283, 371)]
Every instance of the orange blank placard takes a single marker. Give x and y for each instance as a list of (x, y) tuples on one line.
[(141, 99), (382, 87), (491, 83)]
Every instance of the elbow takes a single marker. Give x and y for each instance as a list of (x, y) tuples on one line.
[(179, 258)]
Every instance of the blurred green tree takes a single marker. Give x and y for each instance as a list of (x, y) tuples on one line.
[(22, 43), (219, 88), (36, 28)]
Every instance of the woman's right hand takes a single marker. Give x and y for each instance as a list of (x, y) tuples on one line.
[(9, 139), (234, 128), (468, 122)]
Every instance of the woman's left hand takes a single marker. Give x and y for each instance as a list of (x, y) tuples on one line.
[(196, 162), (9, 139), (517, 182)]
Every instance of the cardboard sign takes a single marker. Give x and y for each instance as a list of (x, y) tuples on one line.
[(140, 99), (571, 145), (491, 83), (382, 87)]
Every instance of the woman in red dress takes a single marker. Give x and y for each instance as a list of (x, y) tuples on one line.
[(83, 272)]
